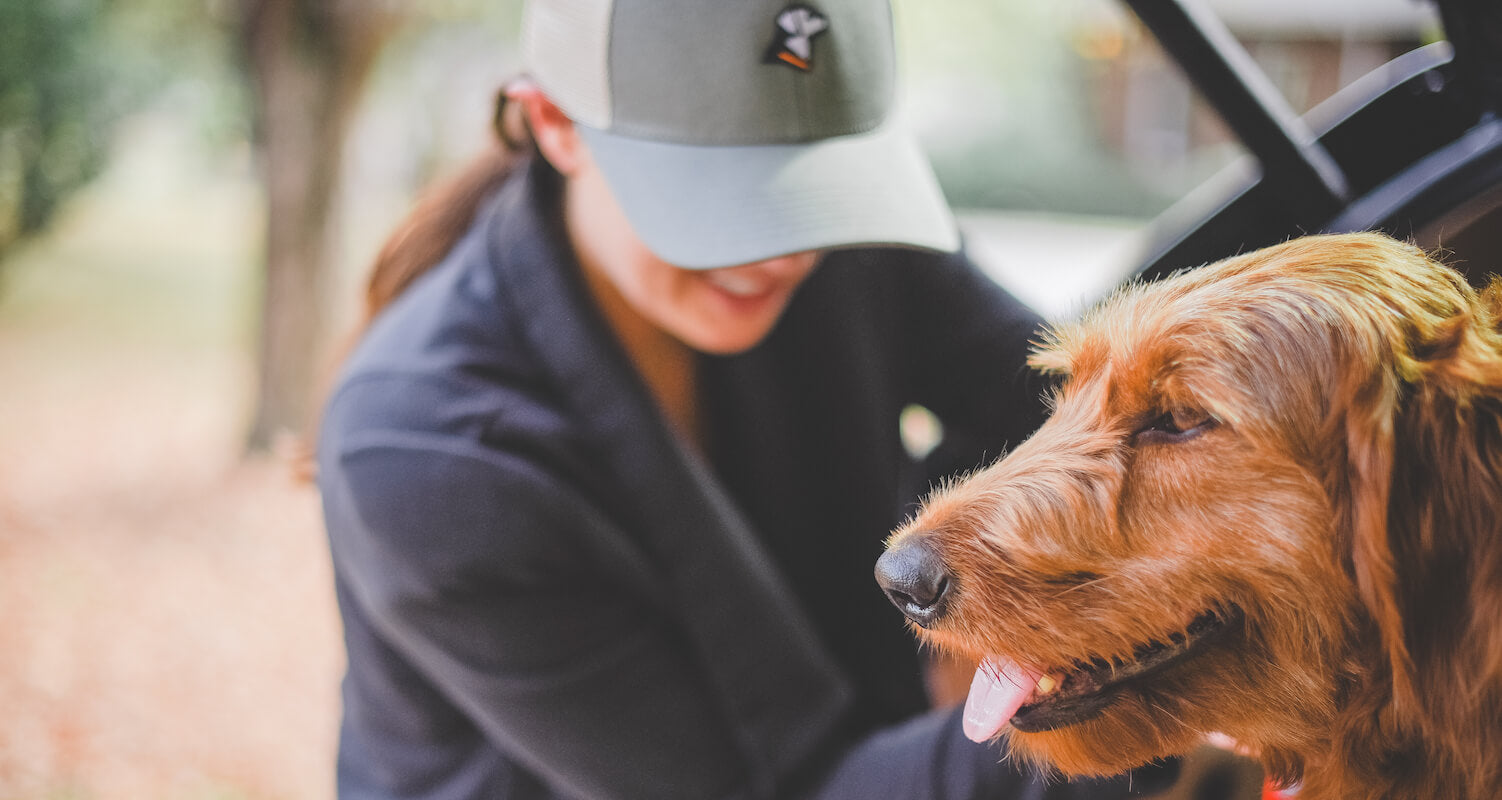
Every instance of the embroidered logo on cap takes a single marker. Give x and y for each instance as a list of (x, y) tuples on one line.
[(793, 43)]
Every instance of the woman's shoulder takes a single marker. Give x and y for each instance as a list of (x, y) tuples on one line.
[(418, 459), (448, 345), (438, 394), (484, 412)]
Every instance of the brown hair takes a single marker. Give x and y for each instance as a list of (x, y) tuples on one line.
[(445, 211)]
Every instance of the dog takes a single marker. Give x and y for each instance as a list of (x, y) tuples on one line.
[(1267, 505)]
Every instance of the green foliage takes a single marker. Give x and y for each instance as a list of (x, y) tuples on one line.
[(70, 70), (55, 106)]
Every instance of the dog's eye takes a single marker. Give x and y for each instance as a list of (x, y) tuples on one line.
[(1176, 425)]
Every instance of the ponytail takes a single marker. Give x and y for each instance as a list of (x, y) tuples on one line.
[(445, 212)]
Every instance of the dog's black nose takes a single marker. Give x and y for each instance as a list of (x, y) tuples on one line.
[(915, 579)]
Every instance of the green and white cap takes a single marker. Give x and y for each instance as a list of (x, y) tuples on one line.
[(732, 131)]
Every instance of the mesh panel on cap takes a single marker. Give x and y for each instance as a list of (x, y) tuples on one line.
[(566, 48)]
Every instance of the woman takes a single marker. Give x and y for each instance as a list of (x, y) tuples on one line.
[(608, 470)]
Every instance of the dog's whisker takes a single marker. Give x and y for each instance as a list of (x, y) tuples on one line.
[(1165, 712), (1078, 586)]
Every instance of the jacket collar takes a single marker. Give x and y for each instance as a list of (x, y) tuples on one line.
[(778, 682)]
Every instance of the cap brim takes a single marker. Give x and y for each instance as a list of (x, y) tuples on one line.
[(703, 207)]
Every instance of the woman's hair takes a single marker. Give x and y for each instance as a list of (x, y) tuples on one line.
[(445, 212)]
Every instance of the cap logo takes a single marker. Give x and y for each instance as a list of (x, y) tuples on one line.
[(793, 43)]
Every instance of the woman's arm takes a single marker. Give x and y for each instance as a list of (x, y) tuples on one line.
[(525, 609)]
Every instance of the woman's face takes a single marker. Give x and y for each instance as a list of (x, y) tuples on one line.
[(720, 311)]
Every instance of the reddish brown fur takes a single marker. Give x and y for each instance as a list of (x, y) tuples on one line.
[(1349, 502)]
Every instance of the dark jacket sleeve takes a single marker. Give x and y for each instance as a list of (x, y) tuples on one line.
[(487, 576), (929, 758)]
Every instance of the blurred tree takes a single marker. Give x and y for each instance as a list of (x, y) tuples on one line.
[(307, 61), (54, 109), (1000, 95)]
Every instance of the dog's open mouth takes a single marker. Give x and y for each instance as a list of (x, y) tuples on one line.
[(1034, 701)]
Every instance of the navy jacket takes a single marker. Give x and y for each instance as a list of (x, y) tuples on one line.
[(547, 595)]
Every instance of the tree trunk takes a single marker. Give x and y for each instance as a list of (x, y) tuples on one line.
[(307, 61)]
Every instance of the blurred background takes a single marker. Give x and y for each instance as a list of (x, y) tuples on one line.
[(189, 193)]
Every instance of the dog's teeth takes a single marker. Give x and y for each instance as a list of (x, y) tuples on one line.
[(1047, 684)]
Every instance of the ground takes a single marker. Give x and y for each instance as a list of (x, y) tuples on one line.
[(167, 623)]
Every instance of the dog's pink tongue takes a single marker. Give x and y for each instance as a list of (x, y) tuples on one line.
[(1000, 687)]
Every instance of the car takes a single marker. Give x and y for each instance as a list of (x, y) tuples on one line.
[(1413, 148)]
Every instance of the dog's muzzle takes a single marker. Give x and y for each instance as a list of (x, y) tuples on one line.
[(915, 579)]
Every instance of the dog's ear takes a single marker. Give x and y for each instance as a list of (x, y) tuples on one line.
[(1422, 488), (1370, 441)]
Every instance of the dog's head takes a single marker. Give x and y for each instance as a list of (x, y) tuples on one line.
[(1201, 536)]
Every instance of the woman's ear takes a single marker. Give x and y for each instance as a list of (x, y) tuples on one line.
[(552, 131)]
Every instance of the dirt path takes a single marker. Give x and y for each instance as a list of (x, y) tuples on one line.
[(167, 625), (166, 621)]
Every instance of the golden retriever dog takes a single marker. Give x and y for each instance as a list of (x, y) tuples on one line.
[(1268, 505)]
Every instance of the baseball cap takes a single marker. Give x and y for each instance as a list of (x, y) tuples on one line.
[(732, 131)]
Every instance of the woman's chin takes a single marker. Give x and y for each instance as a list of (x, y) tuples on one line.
[(726, 337)]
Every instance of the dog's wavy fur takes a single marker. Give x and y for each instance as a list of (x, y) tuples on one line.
[(1343, 497)]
